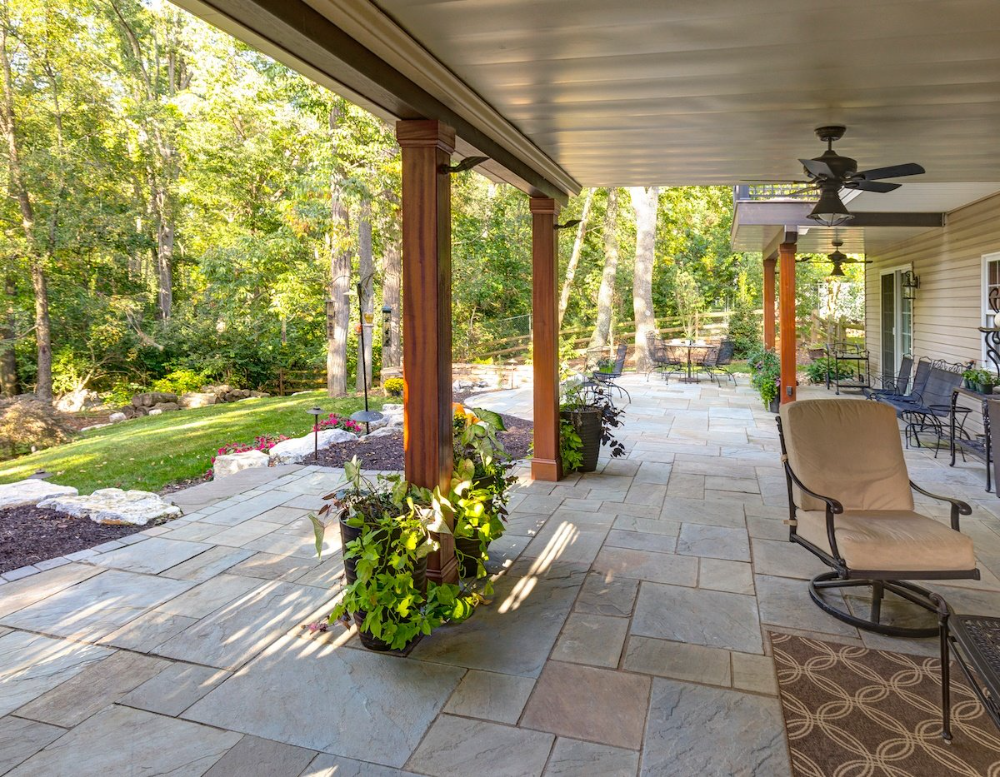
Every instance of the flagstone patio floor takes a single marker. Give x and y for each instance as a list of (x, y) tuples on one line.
[(628, 633)]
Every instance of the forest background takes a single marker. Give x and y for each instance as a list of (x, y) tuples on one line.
[(184, 210)]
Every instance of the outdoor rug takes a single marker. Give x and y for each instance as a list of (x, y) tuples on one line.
[(854, 712)]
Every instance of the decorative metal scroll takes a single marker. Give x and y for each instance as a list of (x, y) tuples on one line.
[(991, 335)]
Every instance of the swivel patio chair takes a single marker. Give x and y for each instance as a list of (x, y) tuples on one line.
[(609, 379), (851, 505)]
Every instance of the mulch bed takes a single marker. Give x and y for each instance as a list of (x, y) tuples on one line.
[(31, 534), (386, 453)]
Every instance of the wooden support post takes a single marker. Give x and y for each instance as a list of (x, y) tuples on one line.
[(769, 303), (546, 464), (427, 147), (786, 320)]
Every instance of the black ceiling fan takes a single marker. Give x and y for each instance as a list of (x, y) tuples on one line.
[(830, 172), (838, 259)]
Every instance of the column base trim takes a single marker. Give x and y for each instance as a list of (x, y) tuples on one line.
[(546, 469), (448, 574)]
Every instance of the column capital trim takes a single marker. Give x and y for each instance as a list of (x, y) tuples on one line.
[(425, 133), (542, 206)]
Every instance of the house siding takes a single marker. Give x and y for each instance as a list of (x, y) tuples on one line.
[(947, 311)]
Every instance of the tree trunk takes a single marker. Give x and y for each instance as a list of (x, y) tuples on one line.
[(164, 254), (392, 278), (606, 296), (574, 258), (8, 329), (644, 203), (338, 310), (19, 190), (366, 302)]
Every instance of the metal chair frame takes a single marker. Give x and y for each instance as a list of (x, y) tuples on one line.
[(879, 581), (609, 379)]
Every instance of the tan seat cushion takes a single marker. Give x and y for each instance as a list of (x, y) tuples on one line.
[(890, 541), (847, 449)]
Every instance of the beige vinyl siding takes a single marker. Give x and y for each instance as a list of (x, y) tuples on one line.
[(947, 311)]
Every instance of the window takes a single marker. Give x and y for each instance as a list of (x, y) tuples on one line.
[(991, 290)]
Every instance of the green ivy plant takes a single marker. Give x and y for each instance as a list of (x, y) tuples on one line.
[(570, 446), (765, 374), (397, 521)]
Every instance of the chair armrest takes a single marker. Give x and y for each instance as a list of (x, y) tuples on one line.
[(958, 507), (832, 504)]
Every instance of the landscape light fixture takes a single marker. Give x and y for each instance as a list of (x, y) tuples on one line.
[(365, 416), (386, 327), (315, 412), (830, 211)]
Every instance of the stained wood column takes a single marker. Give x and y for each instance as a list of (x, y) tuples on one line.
[(786, 319), (546, 464), (427, 413), (769, 303)]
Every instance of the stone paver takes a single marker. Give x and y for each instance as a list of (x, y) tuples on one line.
[(491, 696), (255, 757), (20, 739), (457, 747), (582, 702), (175, 688), (572, 758), (596, 640), (122, 740)]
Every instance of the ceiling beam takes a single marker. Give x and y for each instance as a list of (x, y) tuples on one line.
[(307, 41), (795, 214)]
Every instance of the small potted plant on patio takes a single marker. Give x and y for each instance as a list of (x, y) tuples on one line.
[(970, 379), (766, 376), (587, 419), (387, 532), (481, 484), (985, 381)]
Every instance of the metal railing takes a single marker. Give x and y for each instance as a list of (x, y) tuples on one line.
[(761, 192)]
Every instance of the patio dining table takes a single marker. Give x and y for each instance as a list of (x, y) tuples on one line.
[(689, 345)]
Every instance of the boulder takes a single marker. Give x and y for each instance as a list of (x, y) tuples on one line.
[(383, 431), (75, 401), (259, 394), (117, 418), (295, 450), (197, 399), (166, 406), (230, 463), (31, 492), (154, 411), (114, 506)]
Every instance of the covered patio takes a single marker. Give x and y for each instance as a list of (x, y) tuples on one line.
[(631, 629)]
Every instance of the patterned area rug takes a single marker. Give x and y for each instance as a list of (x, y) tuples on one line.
[(854, 712)]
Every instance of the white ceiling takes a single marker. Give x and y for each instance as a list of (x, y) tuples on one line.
[(718, 91)]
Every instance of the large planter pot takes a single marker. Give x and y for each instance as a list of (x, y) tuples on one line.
[(587, 422), (349, 534), (467, 564), (775, 405)]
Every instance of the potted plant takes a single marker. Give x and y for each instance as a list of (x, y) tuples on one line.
[(480, 486), (765, 370), (590, 414), (387, 531), (986, 381), (605, 365), (970, 379)]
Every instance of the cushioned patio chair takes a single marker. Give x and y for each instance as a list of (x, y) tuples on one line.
[(851, 504)]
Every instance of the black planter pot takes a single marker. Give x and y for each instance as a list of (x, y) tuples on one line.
[(587, 422), (467, 564), (775, 405), (349, 534)]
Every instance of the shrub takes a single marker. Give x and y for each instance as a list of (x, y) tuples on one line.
[(765, 369), (181, 382), (393, 387), (816, 371), (334, 421), (27, 424), (744, 329)]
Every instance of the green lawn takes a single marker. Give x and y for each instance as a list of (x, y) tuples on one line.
[(148, 453)]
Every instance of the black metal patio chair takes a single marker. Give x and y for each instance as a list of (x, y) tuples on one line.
[(929, 411), (893, 386), (707, 359), (609, 379), (723, 359), (851, 504), (662, 360)]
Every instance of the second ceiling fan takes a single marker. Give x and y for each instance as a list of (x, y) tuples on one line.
[(838, 259)]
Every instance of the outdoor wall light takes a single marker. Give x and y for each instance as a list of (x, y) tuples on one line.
[(910, 283), (830, 211)]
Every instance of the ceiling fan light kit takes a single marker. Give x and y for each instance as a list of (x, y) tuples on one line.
[(830, 211)]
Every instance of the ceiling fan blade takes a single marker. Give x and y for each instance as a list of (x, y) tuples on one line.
[(817, 168), (895, 171), (872, 186)]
